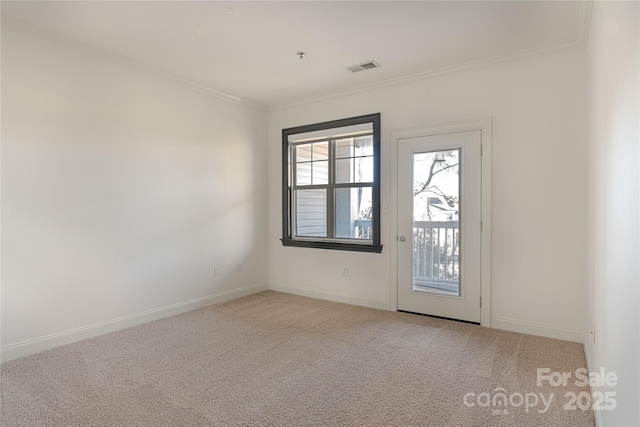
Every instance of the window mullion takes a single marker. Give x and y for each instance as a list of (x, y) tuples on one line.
[(293, 214), (314, 187), (354, 185), (331, 191)]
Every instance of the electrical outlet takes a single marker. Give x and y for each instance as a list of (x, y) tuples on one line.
[(345, 271), (239, 267), (216, 271)]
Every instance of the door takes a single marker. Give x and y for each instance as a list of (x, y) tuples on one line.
[(439, 229)]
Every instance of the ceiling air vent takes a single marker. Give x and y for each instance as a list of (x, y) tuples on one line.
[(364, 66)]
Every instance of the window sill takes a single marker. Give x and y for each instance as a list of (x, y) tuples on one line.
[(354, 247)]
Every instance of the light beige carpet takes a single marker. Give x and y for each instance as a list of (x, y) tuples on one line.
[(275, 359)]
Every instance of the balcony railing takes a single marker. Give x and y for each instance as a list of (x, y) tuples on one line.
[(436, 253), (363, 229)]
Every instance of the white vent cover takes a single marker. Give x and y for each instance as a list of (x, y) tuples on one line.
[(364, 66)]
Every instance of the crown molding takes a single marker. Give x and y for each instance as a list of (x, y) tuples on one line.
[(583, 23), (583, 19), (25, 27)]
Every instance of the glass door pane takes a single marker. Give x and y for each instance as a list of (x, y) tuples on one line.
[(436, 222)]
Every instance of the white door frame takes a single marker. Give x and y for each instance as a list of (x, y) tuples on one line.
[(483, 125)]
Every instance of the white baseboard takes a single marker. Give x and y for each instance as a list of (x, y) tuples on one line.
[(539, 329), (597, 415), (37, 345), (364, 302)]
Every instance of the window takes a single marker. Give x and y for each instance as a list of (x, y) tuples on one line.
[(331, 185)]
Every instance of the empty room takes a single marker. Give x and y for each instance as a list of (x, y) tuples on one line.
[(320, 213)]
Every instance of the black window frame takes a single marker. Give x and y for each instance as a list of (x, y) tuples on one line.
[(374, 245)]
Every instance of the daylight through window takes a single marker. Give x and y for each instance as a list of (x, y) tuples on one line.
[(331, 185)]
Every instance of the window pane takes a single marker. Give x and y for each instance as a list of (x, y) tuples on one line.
[(353, 213), (303, 153), (436, 230), (311, 213), (332, 162), (320, 172), (320, 151), (344, 168), (344, 148), (303, 173), (363, 145), (363, 169)]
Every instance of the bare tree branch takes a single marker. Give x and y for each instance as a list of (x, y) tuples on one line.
[(431, 175)]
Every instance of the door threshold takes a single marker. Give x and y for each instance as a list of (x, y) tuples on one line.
[(440, 317)]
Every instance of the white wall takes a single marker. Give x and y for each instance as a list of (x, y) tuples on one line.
[(121, 191), (539, 191), (613, 305)]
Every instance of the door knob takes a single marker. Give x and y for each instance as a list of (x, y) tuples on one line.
[(402, 238)]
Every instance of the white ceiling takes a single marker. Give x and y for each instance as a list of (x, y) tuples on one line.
[(248, 49)]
